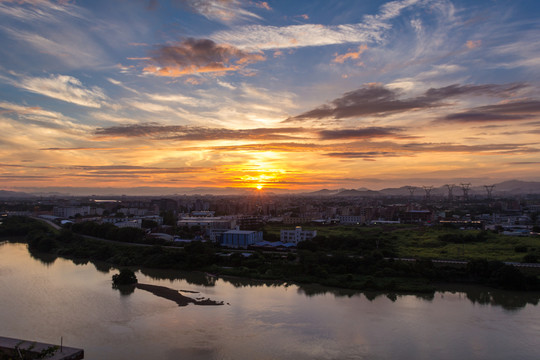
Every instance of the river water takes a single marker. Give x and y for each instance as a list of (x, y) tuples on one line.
[(44, 298)]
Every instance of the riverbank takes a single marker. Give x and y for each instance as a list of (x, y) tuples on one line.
[(336, 268)]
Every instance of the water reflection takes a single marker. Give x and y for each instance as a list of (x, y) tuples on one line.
[(480, 295), (265, 320), (44, 258), (508, 300), (124, 289), (102, 267)]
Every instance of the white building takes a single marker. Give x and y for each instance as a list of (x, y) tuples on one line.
[(297, 235)]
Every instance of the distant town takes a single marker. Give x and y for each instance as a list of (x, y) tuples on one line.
[(237, 221)]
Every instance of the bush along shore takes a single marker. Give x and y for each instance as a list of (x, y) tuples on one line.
[(337, 268)]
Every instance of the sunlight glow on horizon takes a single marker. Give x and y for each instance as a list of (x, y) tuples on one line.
[(365, 94)]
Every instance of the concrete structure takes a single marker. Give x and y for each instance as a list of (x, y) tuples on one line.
[(296, 235), (240, 238), (12, 348)]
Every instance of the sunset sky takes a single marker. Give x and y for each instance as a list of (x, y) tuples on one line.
[(298, 95)]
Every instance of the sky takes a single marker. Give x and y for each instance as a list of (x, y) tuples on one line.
[(296, 95)]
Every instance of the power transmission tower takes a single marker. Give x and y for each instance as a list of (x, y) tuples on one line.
[(450, 188), (428, 189), (465, 187), (489, 190), (411, 194)]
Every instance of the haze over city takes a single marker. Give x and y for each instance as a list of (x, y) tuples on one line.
[(295, 95)]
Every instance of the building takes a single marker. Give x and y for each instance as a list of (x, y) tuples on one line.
[(351, 219), (66, 212), (135, 223), (241, 238), (206, 222), (300, 219), (297, 235)]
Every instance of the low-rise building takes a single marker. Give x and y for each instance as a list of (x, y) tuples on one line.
[(351, 219), (296, 235), (241, 238), (206, 222), (129, 223)]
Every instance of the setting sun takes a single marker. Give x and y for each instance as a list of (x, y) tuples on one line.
[(259, 187)]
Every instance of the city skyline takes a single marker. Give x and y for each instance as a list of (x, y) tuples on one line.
[(299, 95)]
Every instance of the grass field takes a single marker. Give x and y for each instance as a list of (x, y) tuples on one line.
[(425, 242)]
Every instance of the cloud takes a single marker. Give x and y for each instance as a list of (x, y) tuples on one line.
[(263, 5), (363, 155), (35, 115), (473, 44), (261, 37), (39, 10), (194, 133), (65, 88), (221, 10), (375, 99), (198, 56), (510, 111), (367, 149), (354, 55), (365, 133)]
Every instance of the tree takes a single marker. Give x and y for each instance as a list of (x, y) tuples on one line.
[(125, 277)]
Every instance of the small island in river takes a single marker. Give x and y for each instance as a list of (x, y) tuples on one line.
[(174, 295)]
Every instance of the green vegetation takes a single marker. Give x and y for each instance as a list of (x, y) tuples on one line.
[(419, 242), (125, 277), (341, 256), (109, 232)]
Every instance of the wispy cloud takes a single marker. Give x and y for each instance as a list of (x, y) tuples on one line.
[(509, 111), (198, 56), (191, 133), (39, 10), (222, 10), (42, 118), (372, 29), (63, 87)]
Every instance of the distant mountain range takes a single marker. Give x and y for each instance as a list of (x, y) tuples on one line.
[(5, 194), (506, 188)]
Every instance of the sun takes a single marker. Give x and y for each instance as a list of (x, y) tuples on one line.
[(259, 186)]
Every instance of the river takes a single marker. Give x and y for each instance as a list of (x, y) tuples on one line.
[(45, 298)]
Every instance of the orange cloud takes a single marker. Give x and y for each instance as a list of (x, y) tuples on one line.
[(355, 55), (198, 56), (473, 44), (263, 5)]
